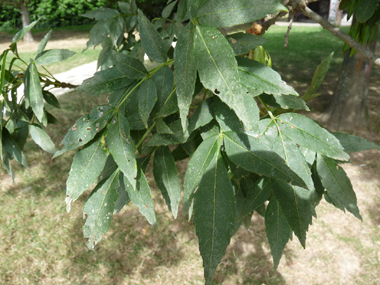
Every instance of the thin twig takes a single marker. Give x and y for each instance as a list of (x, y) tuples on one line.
[(340, 34), (289, 28)]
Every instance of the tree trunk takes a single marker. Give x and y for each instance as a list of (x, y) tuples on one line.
[(334, 4), (26, 21), (348, 107)]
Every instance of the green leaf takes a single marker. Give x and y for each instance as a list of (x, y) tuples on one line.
[(353, 143), (185, 65), (33, 91), (122, 146), (51, 99), (214, 214), (168, 9), (309, 134), (44, 42), (151, 40), (277, 230), (99, 33), (182, 12), (285, 102), (242, 43), (254, 155), (87, 165), (147, 99), (123, 198), (85, 128), (124, 7), (209, 130), (168, 139), (41, 138), (337, 184), (365, 10), (197, 167), (117, 28), (140, 196), (13, 148), (226, 13), (202, 115), (101, 14), (318, 77), (262, 78), (226, 117), (129, 66), (53, 55), (166, 176), (99, 208), (163, 128), (289, 152), (105, 81), (164, 81), (217, 69), (296, 204), (257, 193), (23, 31), (105, 59)]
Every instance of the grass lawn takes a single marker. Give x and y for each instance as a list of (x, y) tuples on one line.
[(42, 244)]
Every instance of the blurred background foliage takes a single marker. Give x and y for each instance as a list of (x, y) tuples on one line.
[(61, 13)]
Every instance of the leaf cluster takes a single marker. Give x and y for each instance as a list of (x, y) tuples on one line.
[(232, 117), (366, 14)]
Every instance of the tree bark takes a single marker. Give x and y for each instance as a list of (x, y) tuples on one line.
[(348, 108), (26, 21)]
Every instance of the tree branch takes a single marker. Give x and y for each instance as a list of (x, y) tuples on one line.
[(340, 34), (270, 22), (289, 28)]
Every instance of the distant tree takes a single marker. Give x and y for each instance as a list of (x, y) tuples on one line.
[(22, 5)]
